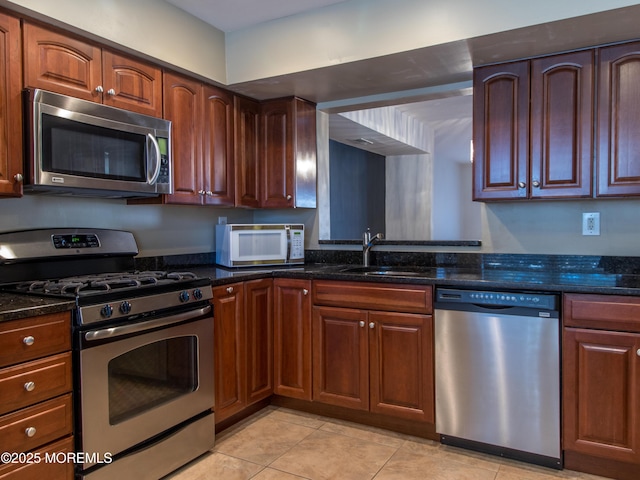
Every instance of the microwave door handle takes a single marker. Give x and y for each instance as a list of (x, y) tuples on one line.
[(156, 173), (288, 233)]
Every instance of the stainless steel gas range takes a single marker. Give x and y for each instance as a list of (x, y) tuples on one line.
[(142, 348)]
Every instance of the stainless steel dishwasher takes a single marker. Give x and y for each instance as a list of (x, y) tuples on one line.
[(497, 367)]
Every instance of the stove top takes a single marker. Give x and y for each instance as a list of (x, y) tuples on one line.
[(97, 284)]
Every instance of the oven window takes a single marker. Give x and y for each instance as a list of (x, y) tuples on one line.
[(151, 375)]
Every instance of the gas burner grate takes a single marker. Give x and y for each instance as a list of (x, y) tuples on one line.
[(104, 282)]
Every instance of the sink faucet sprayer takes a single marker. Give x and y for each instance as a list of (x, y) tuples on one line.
[(367, 244)]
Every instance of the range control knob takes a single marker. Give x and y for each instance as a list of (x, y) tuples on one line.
[(184, 296), (106, 311), (197, 294), (125, 307)]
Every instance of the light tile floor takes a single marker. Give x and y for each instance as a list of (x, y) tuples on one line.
[(282, 444)]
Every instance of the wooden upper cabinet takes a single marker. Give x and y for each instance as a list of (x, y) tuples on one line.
[(247, 152), (278, 154), (62, 63), (288, 145), (182, 105), (500, 131), (562, 115), (131, 84), (217, 146), (618, 127), (533, 128), (11, 167)]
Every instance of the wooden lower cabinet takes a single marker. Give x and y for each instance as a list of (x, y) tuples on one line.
[(243, 326), (292, 338), (378, 361), (36, 403), (601, 385)]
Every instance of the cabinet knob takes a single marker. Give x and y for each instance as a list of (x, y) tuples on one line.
[(18, 177), (209, 193), (201, 192), (99, 89), (305, 291), (361, 323), (28, 341), (289, 197), (29, 386), (111, 92), (521, 185), (229, 289), (638, 352), (535, 183), (372, 325), (30, 432)]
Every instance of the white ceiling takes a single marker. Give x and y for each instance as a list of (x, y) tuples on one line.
[(231, 15)]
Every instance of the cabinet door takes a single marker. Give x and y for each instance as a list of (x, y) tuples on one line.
[(618, 128), (277, 141), (229, 350), (341, 357), (182, 105), (562, 98), (601, 385), (61, 64), (217, 147), (292, 338), (11, 171), (247, 152), (258, 311), (131, 84), (401, 364), (500, 131)]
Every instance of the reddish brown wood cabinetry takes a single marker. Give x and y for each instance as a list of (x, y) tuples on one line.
[(62, 63), (601, 385), (243, 329), (11, 169), (35, 395), (202, 141), (292, 338), (618, 124), (533, 128), (247, 129), (377, 360)]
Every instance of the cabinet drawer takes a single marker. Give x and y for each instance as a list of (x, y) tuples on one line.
[(32, 382), (609, 312), (50, 420), (382, 296), (34, 337), (58, 470)]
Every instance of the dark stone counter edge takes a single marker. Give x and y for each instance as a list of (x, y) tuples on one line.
[(16, 306)]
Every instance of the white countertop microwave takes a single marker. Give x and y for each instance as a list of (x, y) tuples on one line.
[(250, 245)]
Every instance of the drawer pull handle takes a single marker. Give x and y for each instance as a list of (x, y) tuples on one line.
[(28, 341), (29, 386), (30, 432), (229, 289)]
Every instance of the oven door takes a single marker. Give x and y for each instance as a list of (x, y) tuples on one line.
[(144, 378)]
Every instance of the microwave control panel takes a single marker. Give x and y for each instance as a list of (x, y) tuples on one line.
[(297, 244)]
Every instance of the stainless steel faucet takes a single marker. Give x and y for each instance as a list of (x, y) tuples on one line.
[(367, 244)]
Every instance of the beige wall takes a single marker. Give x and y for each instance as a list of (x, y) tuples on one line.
[(538, 227)]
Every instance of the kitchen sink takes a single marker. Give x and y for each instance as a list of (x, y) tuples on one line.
[(384, 271)]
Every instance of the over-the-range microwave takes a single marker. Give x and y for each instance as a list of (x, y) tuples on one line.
[(77, 147), (250, 245)]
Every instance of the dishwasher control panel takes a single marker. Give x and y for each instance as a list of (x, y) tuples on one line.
[(543, 301)]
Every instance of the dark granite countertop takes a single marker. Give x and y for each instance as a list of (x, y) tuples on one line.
[(16, 306), (560, 281)]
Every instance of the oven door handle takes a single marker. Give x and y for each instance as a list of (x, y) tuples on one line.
[(143, 326)]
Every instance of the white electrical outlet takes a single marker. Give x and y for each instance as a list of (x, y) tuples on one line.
[(591, 223)]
